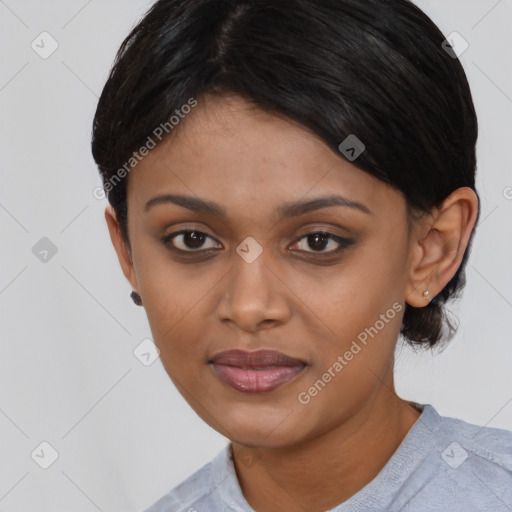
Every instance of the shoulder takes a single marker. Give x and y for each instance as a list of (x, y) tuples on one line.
[(471, 466), (197, 490), (492, 445)]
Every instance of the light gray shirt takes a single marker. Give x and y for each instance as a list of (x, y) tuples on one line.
[(443, 464)]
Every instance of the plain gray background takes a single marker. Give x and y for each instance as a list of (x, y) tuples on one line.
[(69, 376)]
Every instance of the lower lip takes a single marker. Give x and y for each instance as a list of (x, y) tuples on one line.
[(256, 381)]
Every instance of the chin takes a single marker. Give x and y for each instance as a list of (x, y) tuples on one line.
[(263, 428)]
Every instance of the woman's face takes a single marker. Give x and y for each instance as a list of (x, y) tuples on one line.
[(251, 278)]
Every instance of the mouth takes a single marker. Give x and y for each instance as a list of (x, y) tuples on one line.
[(256, 372)]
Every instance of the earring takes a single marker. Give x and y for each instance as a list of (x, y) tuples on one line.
[(426, 293), (136, 298)]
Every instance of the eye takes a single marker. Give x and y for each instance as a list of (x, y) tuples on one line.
[(189, 240), (321, 240)]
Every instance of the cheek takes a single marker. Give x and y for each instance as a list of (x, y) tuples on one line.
[(348, 297), (170, 289), (174, 295), (358, 306)]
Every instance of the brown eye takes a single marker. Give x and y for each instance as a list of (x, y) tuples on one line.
[(189, 241), (319, 241)]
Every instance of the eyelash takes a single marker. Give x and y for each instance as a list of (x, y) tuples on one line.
[(343, 242)]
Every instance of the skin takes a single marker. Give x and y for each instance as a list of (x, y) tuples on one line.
[(296, 297)]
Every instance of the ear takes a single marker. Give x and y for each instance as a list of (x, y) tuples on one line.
[(122, 249), (439, 244)]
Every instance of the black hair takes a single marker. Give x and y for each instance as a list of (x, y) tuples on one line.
[(375, 69)]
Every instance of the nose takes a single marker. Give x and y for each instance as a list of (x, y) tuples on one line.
[(254, 295)]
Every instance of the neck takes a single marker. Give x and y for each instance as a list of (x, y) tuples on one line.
[(319, 474)]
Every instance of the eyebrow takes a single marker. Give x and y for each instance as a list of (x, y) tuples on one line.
[(287, 210)]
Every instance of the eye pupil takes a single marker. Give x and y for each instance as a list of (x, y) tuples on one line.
[(195, 237), (318, 241)]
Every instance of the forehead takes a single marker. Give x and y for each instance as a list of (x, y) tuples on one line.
[(229, 151)]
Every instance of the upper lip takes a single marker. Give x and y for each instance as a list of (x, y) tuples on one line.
[(256, 359)]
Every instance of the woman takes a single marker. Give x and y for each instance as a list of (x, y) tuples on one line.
[(291, 187)]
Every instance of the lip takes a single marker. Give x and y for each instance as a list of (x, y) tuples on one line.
[(256, 372)]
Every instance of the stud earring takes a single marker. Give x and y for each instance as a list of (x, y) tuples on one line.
[(426, 293), (136, 298)]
